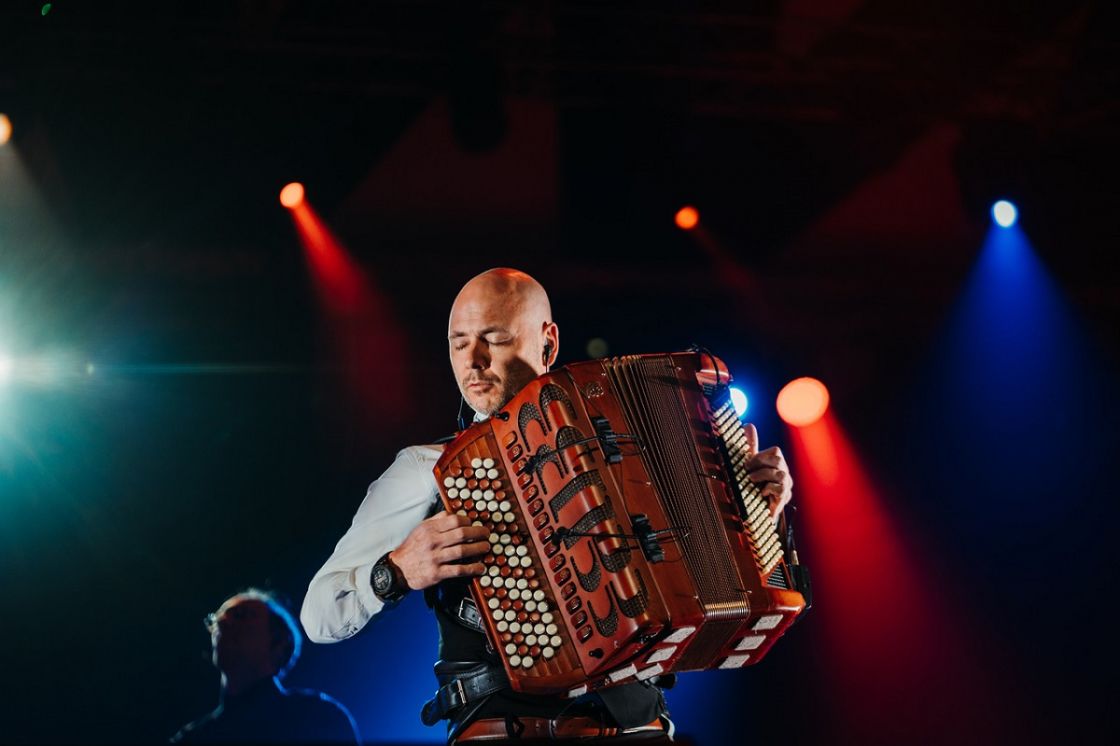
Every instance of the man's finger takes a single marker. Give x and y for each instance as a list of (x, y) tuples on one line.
[(449, 521), (460, 571), (464, 535), (772, 491), (770, 457), (752, 437), (766, 474), (463, 551)]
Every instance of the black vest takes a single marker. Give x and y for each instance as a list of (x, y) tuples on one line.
[(624, 706)]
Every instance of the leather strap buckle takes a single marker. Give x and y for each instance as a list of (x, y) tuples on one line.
[(458, 696), (467, 613)]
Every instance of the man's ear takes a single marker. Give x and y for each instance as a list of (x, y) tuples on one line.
[(551, 343)]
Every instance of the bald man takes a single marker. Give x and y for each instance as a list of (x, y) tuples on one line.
[(501, 336)]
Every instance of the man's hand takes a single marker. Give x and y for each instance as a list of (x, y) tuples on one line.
[(435, 550), (769, 472)]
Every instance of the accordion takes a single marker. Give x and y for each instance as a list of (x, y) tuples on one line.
[(626, 541)]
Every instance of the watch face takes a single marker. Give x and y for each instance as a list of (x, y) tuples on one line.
[(382, 579)]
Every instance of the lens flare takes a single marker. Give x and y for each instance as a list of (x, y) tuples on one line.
[(687, 218), (1005, 213), (802, 401), (291, 196), (738, 400)]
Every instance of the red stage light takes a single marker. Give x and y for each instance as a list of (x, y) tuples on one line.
[(802, 401), (5, 129), (291, 196), (360, 322), (687, 218)]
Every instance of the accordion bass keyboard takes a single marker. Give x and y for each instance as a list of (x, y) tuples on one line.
[(626, 541)]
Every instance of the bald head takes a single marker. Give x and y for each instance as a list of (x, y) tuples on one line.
[(508, 287), (501, 336)]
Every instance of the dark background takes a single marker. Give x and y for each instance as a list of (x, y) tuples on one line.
[(843, 155)]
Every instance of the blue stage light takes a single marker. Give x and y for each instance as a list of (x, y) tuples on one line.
[(1004, 213), (739, 401)]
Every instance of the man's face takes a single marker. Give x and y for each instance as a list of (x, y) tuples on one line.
[(241, 635), (496, 347)]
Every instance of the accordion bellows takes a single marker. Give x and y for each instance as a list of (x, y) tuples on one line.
[(625, 540)]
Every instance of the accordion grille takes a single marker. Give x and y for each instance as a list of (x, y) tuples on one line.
[(651, 396)]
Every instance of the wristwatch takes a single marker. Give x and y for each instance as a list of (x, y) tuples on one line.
[(388, 583)]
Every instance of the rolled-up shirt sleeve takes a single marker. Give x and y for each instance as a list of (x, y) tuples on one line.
[(340, 600)]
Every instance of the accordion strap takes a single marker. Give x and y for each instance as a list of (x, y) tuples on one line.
[(462, 684)]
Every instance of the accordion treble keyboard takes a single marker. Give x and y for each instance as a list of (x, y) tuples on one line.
[(626, 541)]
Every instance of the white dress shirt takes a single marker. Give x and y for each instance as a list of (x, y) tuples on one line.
[(340, 600)]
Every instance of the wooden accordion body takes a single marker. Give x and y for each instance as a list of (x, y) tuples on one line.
[(626, 542)]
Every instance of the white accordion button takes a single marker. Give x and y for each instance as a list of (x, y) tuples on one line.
[(515, 661), (514, 627), (504, 506), (494, 570), (542, 607), (538, 629), (511, 615), (496, 549), (505, 539), (503, 625), (487, 463), (511, 649), (538, 595), (515, 594), (522, 583), (493, 603), (555, 641), (648, 673), (661, 654), (522, 550), (449, 481), (680, 635), (453, 492), (510, 517), (548, 652), (476, 462), (530, 605), (734, 661), (551, 629), (527, 661), (750, 643), (499, 582), (484, 581), (623, 673), (497, 614), (767, 622), (461, 512), (493, 538), (546, 616), (491, 473), (530, 639), (489, 495), (460, 482), (476, 494)]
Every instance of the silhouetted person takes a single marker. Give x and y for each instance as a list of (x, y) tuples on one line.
[(255, 643)]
